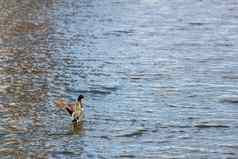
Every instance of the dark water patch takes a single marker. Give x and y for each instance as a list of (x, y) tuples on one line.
[(100, 74), (109, 34), (136, 77), (184, 106), (169, 125), (57, 135), (96, 92), (192, 95), (211, 59), (223, 44), (118, 33), (63, 154), (230, 155), (187, 44), (229, 99), (105, 137), (197, 23), (233, 146), (211, 124), (172, 105), (136, 133), (124, 31), (55, 153), (125, 156), (192, 118), (147, 76), (92, 91), (232, 77), (115, 88)]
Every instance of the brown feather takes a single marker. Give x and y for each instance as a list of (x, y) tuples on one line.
[(71, 105), (61, 103)]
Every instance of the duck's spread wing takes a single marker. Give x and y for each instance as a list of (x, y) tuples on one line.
[(61, 103), (70, 108)]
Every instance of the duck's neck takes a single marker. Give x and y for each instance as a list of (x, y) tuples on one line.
[(80, 103)]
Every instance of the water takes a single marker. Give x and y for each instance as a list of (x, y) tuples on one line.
[(159, 77)]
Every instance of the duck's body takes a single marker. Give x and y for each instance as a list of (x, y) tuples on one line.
[(76, 110)]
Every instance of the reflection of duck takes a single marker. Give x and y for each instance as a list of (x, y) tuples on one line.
[(76, 110), (78, 128)]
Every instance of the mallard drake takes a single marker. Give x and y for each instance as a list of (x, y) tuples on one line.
[(76, 109)]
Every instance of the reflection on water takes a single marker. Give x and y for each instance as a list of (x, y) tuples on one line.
[(78, 128), (159, 78)]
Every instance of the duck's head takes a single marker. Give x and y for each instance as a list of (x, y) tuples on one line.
[(80, 97)]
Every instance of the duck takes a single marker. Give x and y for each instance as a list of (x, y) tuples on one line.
[(75, 109)]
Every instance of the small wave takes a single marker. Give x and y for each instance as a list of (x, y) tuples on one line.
[(223, 45), (124, 31), (196, 23), (211, 124), (229, 98), (119, 33), (97, 91), (57, 154), (105, 137), (232, 77), (233, 146), (110, 88), (102, 91), (135, 133), (174, 125), (126, 156)]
